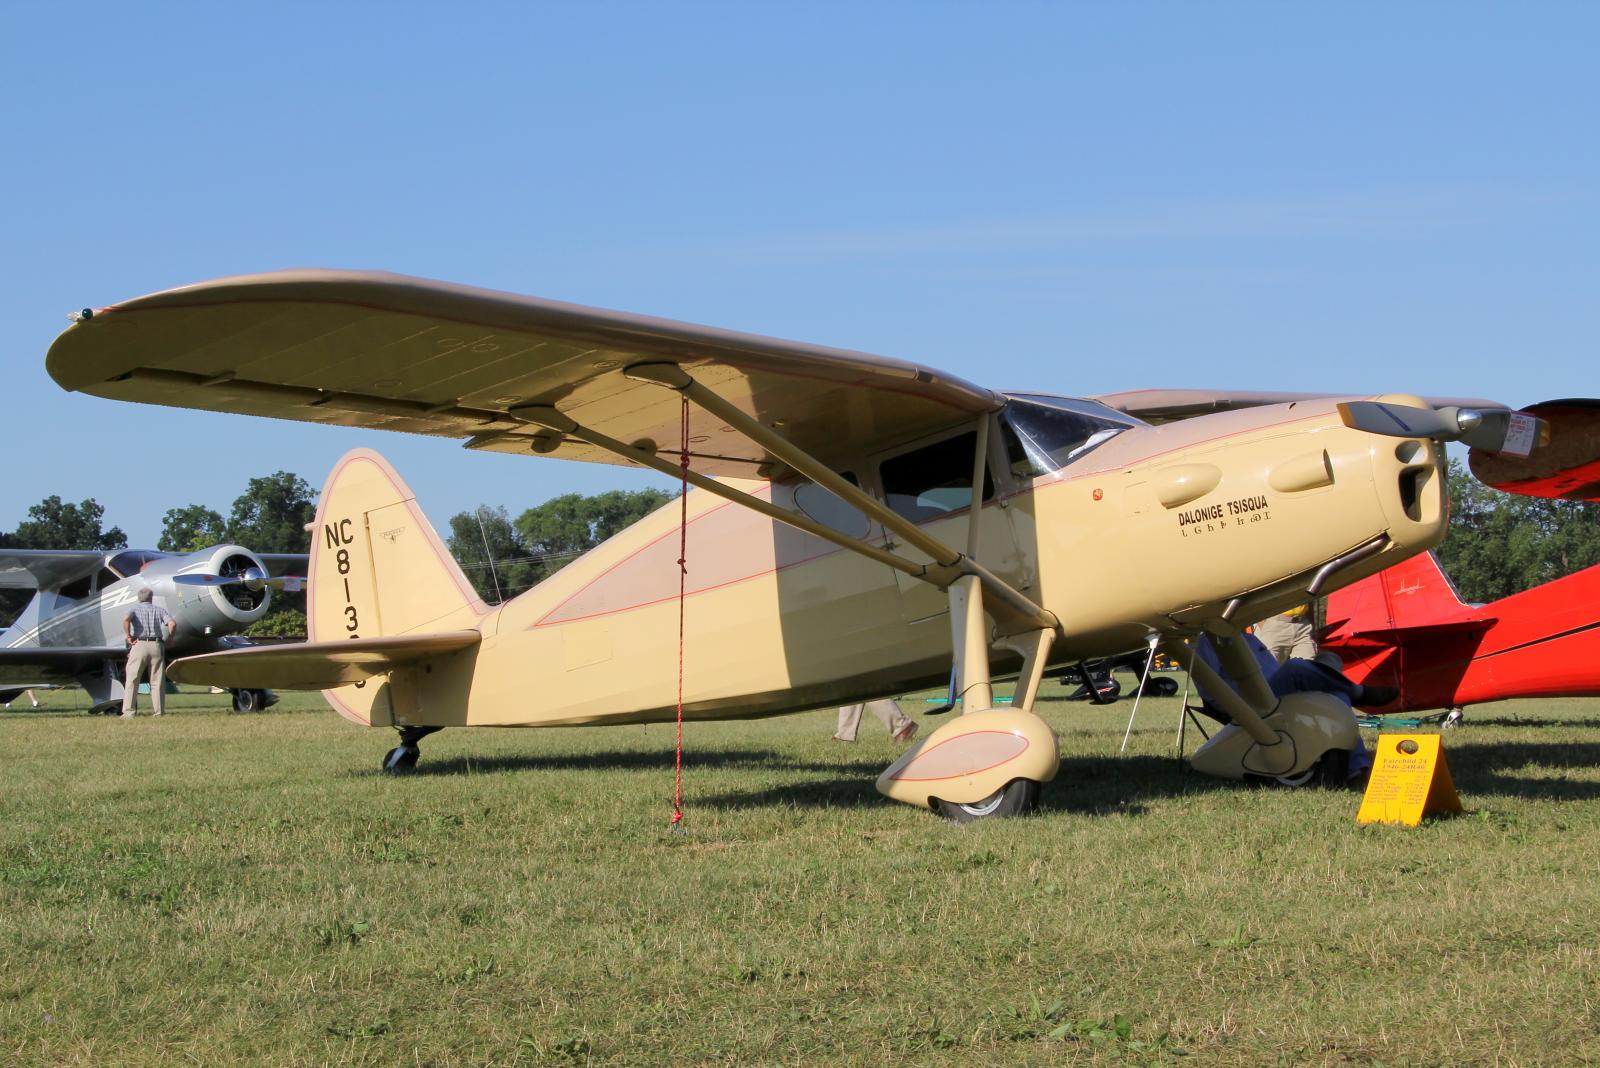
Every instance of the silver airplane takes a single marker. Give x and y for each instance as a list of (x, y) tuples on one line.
[(71, 631)]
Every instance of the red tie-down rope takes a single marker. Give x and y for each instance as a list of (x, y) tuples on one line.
[(683, 574)]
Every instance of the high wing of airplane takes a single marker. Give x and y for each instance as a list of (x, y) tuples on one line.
[(70, 632), (1407, 627), (859, 525)]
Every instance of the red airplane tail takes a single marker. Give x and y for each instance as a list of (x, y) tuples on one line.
[(1372, 623), (1414, 594)]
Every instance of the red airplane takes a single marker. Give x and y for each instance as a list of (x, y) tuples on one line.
[(1407, 627)]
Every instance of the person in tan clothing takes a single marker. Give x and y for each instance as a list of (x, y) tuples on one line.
[(1290, 634), (901, 727), (147, 626)]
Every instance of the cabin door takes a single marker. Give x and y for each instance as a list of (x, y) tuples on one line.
[(930, 483)]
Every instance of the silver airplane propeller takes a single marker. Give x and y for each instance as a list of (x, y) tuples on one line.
[(252, 578), (1492, 429)]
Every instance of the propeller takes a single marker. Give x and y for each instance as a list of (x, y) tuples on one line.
[(251, 578), (1496, 430)]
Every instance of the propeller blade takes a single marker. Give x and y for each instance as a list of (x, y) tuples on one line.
[(1490, 429), (1400, 420), (197, 579), (253, 578), (1568, 468)]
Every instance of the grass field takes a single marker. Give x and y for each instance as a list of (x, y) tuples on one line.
[(212, 888)]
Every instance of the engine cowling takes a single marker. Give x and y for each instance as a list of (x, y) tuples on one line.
[(204, 612)]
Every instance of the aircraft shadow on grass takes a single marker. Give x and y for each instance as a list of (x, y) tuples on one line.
[(1096, 786), (1528, 721), (1085, 786), (1492, 768), (615, 760)]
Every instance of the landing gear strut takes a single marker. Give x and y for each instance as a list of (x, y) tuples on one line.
[(403, 757)]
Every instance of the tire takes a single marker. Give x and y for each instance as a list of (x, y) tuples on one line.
[(1330, 772), (247, 700), (1160, 686), (401, 759), (1106, 689), (1013, 799)]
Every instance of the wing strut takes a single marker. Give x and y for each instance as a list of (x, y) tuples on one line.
[(1013, 609)]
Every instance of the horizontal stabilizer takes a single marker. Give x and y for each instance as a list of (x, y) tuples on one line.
[(1400, 635), (317, 665)]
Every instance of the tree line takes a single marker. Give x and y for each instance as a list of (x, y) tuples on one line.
[(1500, 543), (502, 556)]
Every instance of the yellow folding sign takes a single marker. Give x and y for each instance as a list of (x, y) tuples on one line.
[(1410, 780)]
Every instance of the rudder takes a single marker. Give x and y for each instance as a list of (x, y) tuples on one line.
[(378, 569), (1421, 594), (1413, 593)]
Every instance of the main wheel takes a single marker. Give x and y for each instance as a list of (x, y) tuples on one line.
[(1012, 799), (247, 700), (1159, 686)]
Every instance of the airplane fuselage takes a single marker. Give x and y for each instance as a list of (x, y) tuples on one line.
[(1158, 528)]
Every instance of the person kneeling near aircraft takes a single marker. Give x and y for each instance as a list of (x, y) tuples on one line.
[(1296, 675), (147, 626)]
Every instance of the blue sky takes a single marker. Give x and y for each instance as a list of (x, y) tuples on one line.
[(1073, 198)]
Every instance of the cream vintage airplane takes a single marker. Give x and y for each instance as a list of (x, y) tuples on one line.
[(853, 565)]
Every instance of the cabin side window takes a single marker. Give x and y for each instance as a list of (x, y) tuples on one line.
[(77, 589), (1043, 435), (130, 563), (819, 504), (934, 480)]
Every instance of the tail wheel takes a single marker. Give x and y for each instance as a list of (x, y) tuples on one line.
[(402, 758), (1013, 799), (249, 700)]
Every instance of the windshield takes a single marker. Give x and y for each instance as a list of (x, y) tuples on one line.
[(1045, 434), (130, 563)]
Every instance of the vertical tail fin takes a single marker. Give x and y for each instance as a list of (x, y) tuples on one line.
[(377, 568), (1413, 593)]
